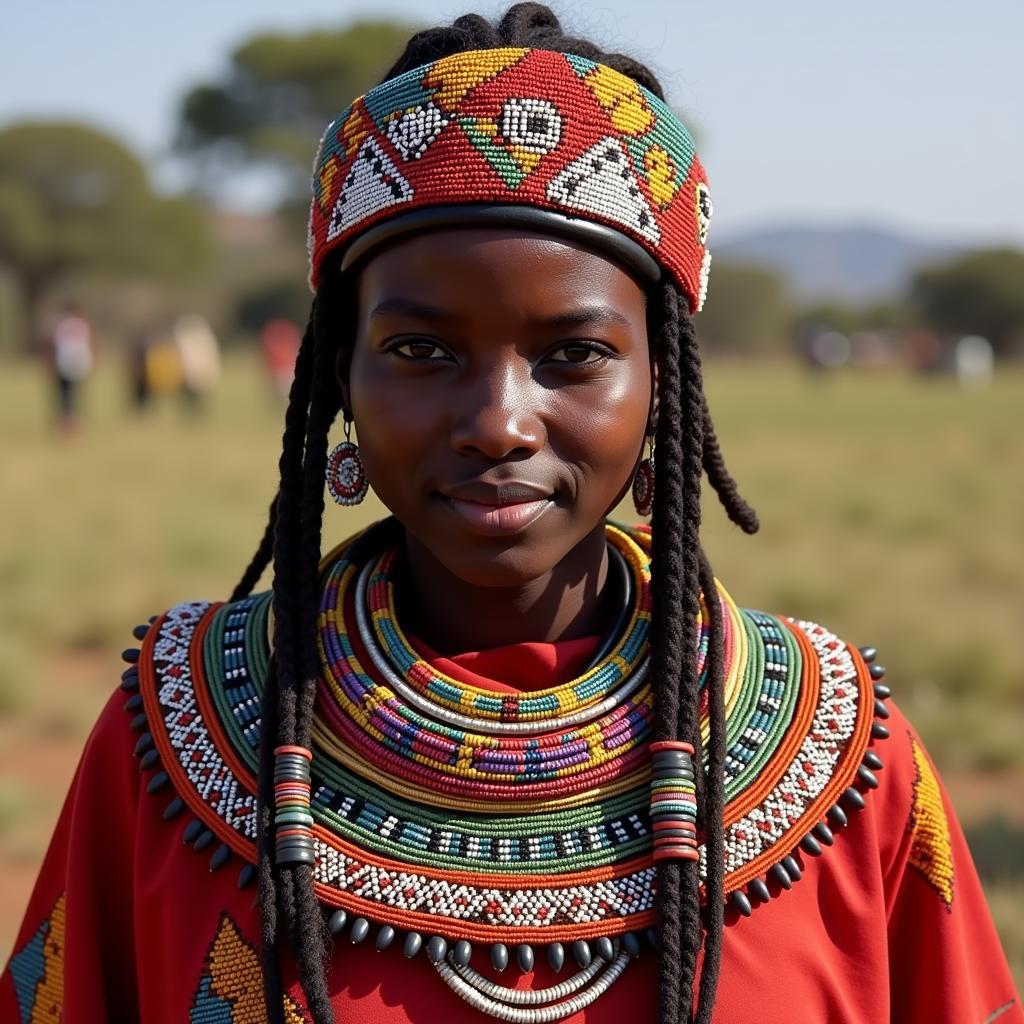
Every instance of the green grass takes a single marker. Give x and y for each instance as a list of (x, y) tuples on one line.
[(892, 511)]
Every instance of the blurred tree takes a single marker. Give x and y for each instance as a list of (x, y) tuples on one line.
[(74, 199), (746, 311), (287, 297), (833, 316), (982, 293), (277, 97), (893, 314)]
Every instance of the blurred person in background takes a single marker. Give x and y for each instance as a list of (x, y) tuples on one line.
[(497, 757), (280, 339), (70, 353), (198, 358)]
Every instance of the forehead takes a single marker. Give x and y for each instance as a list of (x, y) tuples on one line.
[(497, 265)]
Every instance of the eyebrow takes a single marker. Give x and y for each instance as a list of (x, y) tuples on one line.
[(599, 315)]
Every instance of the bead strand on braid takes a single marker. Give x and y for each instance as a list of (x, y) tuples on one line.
[(286, 525), (688, 721), (307, 932), (296, 900), (667, 656), (714, 800)]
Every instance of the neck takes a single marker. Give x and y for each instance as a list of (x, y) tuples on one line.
[(453, 616)]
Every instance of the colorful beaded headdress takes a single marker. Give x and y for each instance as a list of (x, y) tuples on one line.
[(505, 130)]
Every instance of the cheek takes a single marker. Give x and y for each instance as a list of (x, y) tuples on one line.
[(606, 429), (391, 425)]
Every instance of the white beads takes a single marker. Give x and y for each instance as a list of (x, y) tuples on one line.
[(525, 1006)]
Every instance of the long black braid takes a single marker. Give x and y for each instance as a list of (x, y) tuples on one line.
[(686, 447)]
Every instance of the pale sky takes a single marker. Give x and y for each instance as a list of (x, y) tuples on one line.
[(897, 113)]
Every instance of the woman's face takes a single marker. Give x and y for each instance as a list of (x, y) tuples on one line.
[(500, 384)]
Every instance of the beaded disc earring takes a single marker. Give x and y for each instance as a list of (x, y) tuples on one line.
[(643, 482), (345, 477)]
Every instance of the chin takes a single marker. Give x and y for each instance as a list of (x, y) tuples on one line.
[(510, 563)]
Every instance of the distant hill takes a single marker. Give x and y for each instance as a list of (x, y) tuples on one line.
[(855, 264)]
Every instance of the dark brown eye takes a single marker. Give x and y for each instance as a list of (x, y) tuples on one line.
[(418, 349), (578, 353)]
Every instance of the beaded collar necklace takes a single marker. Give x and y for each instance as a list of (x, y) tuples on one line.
[(431, 828), (430, 730)]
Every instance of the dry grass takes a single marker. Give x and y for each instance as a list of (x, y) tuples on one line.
[(893, 511)]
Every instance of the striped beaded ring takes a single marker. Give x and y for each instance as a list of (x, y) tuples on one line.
[(673, 801), (493, 132), (293, 818)]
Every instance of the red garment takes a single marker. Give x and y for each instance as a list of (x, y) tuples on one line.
[(127, 924)]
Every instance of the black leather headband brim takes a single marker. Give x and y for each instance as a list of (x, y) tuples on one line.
[(600, 237)]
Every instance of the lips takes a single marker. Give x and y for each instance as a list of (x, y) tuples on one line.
[(498, 508)]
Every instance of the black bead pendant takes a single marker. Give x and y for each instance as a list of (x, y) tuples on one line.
[(150, 759), (604, 949), (463, 952), (192, 829), (581, 953), (337, 921), (556, 956), (867, 776), (157, 782), (174, 808), (823, 833), (412, 945), (130, 680), (631, 943), (759, 889), (883, 691), (868, 653), (499, 956), (204, 840), (838, 815), (741, 903), (246, 876), (524, 957), (879, 731), (144, 743), (133, 703), (139, 632), (360, 929), (872, 760), (130, 655), (220, 857), (854, 799), (810, 845), (437, 949), (876, 671), (385, 936), (792, 868), (782, 876)]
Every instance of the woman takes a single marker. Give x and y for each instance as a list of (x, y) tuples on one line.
[(500, 757)]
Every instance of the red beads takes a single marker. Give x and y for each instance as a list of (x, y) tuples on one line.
[(673, 801)]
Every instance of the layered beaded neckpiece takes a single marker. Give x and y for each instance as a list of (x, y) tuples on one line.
[(480, 828)]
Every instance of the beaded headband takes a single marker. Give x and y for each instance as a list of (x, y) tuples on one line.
[(506, 135)]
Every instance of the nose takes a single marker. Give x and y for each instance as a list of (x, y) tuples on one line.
[(495, 414)]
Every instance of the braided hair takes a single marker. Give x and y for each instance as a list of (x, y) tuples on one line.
[(685, 449)]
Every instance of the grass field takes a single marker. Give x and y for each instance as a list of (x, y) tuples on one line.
[(892, 510)]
